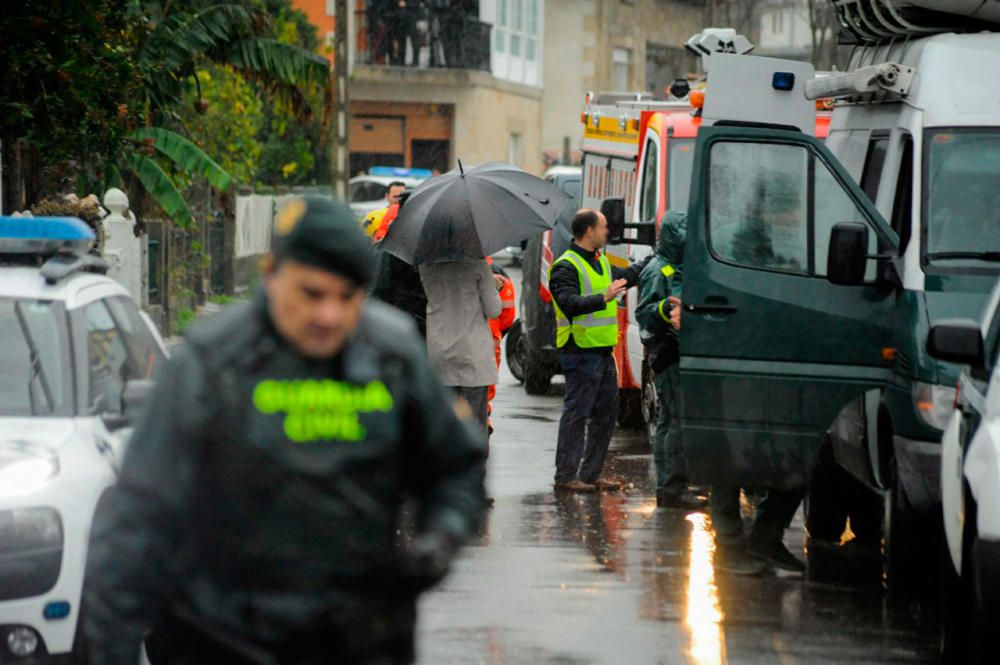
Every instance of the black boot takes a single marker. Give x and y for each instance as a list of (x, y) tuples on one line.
[(774, 553), (683, 500)]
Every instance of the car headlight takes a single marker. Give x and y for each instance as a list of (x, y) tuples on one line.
[(934, 403), (26, 529), (25, 467)]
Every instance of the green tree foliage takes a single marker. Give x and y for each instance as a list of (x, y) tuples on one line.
[(226, 119), (96, 89), (259, 137), (68, 86)]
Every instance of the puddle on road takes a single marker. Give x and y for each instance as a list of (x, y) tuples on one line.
[(530, 416)]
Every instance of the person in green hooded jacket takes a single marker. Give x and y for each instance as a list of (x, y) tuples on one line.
[(659, 320)]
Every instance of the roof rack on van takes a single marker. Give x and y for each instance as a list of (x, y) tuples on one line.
[(872, 22), (59, 245), (888, 77)]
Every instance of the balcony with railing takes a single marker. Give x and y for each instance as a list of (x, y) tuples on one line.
[(420, 36)]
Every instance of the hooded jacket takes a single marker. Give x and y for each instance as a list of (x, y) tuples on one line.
[(661, 278)]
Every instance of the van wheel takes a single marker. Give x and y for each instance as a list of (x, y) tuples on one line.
[(825, 505), (537, 376), (515, 350)]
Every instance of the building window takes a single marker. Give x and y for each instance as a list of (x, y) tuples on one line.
[(517, 28), (777, 21), (514, 149), (328, 40), (500, 27), (621, 59), (331, 7), (531, 31)]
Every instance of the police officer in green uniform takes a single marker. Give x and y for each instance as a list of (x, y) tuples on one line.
[(257, 513), (659, 321)]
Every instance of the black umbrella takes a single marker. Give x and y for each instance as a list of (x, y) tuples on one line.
[(471, 214)]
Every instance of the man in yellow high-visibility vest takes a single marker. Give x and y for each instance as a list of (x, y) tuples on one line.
[(584, 286)]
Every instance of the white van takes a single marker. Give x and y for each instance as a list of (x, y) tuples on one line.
[(917, 125)]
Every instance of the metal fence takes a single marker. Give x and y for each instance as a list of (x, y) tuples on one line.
[(423, 37)]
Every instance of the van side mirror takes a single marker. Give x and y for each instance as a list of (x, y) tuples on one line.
[(848, 254), (614, 211), (957, 340)]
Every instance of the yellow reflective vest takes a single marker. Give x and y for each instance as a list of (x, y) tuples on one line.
[(598, 328)]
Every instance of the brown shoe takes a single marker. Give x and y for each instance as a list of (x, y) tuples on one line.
[(575, 485), (607, 485)]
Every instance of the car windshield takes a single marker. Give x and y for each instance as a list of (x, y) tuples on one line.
[(679, 173), (962, 210), (33, 366), (365, 191)]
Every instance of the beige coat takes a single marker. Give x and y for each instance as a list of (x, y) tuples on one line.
[(461, 298)]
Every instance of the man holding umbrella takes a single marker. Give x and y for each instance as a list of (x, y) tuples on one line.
[(448, 227), (584, 287)]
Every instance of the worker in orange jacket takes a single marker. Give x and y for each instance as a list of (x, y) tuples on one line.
[(500, 325)]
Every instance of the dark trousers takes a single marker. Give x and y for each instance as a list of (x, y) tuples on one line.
[(668, 448), (478, 399), (589, 413), (774, 514)]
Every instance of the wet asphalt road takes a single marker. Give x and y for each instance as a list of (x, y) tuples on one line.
[(611, 579)]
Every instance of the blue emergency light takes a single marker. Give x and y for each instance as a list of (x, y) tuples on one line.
[(56, 610), (45, 235), (399, 172), (784, 81)]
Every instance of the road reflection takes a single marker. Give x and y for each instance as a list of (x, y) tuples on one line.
[(702, 616)]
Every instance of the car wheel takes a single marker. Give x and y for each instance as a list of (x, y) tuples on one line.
[(515, 350), (537, 376)]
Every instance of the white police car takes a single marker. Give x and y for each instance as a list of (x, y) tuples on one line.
[(76, 355), (367, 192)]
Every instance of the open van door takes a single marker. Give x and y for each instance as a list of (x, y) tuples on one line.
[(771, 348)]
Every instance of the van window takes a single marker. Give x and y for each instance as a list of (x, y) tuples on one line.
[(874, 164), (962, 199), (902, 205), (649, 201), (757, 205), (832, 206), (679, 168)]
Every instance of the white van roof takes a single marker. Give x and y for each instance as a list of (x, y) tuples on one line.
[(954, 83)]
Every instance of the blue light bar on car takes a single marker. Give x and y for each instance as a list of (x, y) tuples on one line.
[(399, 172), (44, 235)]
